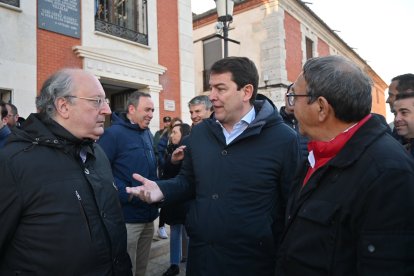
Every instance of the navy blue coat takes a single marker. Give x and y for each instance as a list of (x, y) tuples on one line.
[(355, 215), (130, 150), (239, 189)]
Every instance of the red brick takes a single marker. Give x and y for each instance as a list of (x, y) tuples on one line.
[(293, 47), (169, 56), (323, 48)]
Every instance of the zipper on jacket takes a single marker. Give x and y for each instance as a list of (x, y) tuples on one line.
[(82, 210)]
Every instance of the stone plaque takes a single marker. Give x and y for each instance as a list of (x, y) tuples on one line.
[(169, 105), (59, 16)]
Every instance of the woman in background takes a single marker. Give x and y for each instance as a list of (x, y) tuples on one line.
[(174, 214)]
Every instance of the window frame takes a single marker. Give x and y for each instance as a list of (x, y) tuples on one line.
[(109, 20)]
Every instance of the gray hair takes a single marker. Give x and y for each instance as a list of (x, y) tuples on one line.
[(133, 98), (342, 83), (58, 85), (201, 99)]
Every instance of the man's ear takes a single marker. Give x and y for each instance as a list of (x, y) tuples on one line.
[(131, 109), (248, 92), (325, 109), (62, 107)]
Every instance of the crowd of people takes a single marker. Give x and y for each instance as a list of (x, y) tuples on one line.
[(321, 186)]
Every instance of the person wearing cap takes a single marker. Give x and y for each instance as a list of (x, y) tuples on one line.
[(167, 122)]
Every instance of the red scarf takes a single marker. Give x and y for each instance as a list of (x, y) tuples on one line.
[(321, 152)]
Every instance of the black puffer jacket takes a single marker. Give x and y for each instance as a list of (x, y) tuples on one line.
[(59, 216)]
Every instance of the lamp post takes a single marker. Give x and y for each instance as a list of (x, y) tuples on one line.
[(225, 15)]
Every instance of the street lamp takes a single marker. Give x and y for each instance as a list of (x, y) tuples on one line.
[(225, 15)]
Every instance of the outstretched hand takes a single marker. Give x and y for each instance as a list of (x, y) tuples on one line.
[(148, 192), (178, 155)]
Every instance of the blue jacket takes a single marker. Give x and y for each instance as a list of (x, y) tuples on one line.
[(4, 133), (130, 150)]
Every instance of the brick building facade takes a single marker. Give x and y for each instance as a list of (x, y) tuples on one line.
[(279, 36), (129, 45)]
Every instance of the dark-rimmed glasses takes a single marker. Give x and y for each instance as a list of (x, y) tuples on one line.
[(98, 102), (290, 95)]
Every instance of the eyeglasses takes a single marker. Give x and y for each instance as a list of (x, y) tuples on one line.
[(291, 97), (98, 102)]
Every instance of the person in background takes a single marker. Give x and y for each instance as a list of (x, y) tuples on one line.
[(398, 85), (174, 214), (288, 117), (404, 115), (392, 93), (128, 146), (200, 108), (13, 116), (162, 233), (161, 147), (392, 88), (351, 210), (167, 122), (238, 166), (163, 142), (59, 208), (4, 129)]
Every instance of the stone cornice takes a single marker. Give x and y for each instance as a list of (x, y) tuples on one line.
[(111, 56)]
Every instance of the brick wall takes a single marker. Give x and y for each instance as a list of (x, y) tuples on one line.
[(169, 56), (323, 48), (293, 44), (54, 51)]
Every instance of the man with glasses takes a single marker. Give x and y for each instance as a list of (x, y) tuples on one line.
[(351, 211), (238, 166), (128, 145), (59, 208), (13, 115)]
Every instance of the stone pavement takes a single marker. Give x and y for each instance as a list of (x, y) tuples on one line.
[(160, 255)]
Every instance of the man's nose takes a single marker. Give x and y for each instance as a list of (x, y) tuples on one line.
[(106, 109)]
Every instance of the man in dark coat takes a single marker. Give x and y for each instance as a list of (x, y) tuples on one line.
[(59, 208), (238, 167), (352, 209)]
